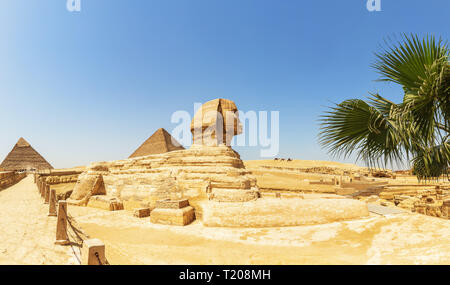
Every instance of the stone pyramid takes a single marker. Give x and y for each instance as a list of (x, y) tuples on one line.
[(160, 142), (24, 157)]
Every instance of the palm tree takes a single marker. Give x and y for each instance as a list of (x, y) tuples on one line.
[(416, 130)]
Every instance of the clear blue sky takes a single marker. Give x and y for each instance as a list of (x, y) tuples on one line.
[(92, 86)]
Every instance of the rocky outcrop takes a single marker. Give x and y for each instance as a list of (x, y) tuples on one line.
[(199, 173), (89, 184)]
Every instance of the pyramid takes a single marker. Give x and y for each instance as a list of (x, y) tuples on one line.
[(160, 142), (24, 157)]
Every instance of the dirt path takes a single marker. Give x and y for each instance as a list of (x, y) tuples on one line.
[(27, 234)]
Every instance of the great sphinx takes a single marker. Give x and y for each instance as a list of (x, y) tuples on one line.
[(209, 170), (211, 175)]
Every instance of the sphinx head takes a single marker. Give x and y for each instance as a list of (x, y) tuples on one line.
[(216, 123)]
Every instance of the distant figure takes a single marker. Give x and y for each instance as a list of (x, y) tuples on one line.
[(289, 159)]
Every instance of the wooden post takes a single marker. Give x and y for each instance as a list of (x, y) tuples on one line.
[(93, 252), (61, 226), (46, 193), (52, 204)]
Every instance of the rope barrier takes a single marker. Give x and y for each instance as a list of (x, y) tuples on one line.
[(98, 258), (71, 236), (80, 237)]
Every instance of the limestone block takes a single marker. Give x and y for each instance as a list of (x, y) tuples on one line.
[(93, 252), (433, 210), (387, 203), (87, 186), (105, 203), (172, 204), (421, 208), (179, 217), (234, 195), (409, 203), (372, 199), (386, 196), (141, 212), (446, 209), (275, 212)]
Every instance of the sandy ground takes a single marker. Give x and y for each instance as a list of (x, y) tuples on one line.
[(397, 239), (288, 175), (27, 234), (300, 164)]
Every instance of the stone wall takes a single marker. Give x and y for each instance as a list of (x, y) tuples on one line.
[(429, 200), (62, 180), (10, 178)]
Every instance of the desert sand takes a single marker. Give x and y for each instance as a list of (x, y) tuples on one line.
[(27, 234), (397, 239), (28, 238)]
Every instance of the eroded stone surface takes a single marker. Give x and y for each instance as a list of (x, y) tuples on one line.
[(272, 212), (176, 217), (216, 123), (199, 173)]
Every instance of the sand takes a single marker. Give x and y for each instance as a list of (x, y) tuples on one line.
[(301, 164), (27, 234), (397, 239)]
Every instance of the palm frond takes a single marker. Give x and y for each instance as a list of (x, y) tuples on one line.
[(380, 131), (406, 63), (354, 126)]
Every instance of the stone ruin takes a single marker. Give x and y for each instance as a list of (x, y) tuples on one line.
[(9, 178), (209, 170), (210, 175)]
